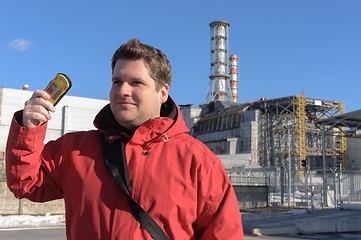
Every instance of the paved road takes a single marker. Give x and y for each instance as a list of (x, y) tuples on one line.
[(33, 234), (277, 222), (339, 236), (59, 234)]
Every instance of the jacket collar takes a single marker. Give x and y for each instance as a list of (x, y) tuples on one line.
[(170, 115)]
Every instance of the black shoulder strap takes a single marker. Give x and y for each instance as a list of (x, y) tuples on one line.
[(113, 152)]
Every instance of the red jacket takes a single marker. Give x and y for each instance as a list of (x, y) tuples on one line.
[(174, 177)]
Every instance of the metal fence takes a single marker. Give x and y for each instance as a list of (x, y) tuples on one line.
[(11, 205), (293, 189), (349, 187), (303, 188)]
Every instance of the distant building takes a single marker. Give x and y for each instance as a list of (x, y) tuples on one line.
[(72, 114), (271, 131)]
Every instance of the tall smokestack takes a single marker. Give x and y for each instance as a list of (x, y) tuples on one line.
[(218, 84), (233, 77)]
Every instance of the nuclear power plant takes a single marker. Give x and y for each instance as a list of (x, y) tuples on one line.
[(263, 128), (280, 140)]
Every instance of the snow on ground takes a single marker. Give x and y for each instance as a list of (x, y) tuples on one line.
[(29, 221)]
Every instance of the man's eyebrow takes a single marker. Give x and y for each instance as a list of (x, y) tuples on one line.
[(131, 78), (138, 79)]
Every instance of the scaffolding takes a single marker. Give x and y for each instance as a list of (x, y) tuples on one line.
[(282, 135), (288, 135), (288, 132)]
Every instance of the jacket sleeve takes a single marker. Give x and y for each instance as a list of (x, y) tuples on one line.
[(219, 215), (27, 174)]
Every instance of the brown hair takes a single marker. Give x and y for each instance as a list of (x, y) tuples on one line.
[(156, 62)]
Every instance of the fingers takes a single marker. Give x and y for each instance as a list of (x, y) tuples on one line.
[(36, 109), (38, 97)]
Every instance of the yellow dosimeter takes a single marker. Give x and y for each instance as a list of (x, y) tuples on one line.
[(58, 87)]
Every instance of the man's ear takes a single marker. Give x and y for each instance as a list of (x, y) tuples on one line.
[(164, 93)]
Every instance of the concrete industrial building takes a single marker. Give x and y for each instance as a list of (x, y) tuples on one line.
[(281, 137), (266, 128), (263, 128)]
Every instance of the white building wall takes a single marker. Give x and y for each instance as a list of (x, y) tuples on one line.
[(190, 114), (353, 153), (236, 160), (72, 113)]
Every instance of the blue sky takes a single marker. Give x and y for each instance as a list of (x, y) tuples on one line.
[(285, 47)]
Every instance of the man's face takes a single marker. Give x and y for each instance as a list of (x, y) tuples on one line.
[(134, 98)]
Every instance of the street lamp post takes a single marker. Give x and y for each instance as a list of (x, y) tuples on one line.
[(289, 165), (324, 188)]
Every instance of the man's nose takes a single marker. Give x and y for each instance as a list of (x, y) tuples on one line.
[(124, 89)]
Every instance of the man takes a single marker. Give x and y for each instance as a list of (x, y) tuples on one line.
[(174, 177)]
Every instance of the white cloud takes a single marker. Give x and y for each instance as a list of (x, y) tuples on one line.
[(19, 45)]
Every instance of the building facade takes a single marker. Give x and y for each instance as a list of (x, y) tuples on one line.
[(72, 114)]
